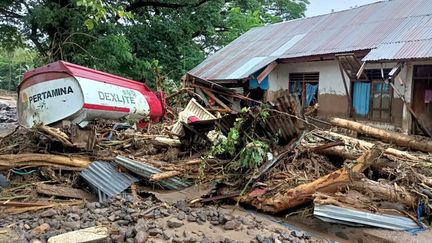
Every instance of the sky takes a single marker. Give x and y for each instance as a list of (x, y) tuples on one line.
[(319, 7)]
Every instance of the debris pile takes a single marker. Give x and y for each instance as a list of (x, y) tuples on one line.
[(269, 156)]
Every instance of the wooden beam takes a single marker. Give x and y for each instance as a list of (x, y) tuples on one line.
[(349, 99), (266, 71), (210, 94)]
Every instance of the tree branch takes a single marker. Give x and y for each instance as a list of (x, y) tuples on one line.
[(10, 14), (34, 39), (151, 3)]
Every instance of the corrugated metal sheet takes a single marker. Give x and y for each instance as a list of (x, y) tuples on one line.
[(146, 171), (382, 24), (106, 180), (400, 51), (335, 214)]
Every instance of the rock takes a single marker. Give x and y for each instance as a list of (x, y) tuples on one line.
[(112, 217), (154, 231), (41, 229), (48, 213), (181, 216), (205, 240), (73, 217), (71, 225), (202, 216), (214, 222), (285, 236), (35, 241), (174, 223), (94, 234), (230, 225), (141, 225), (118, 238), (91, 205), (166, 235), (297, 233), (227, 217), (141, 237), (191, 218)]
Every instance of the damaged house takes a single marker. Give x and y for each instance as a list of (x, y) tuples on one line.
[(372, 63)]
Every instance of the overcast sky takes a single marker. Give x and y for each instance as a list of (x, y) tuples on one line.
[(319, 7)]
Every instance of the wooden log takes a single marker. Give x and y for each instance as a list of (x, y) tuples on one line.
[(19, 160), (386, 192), (368, 145), (387, 136), (339, 151), (164, 175), (62, 191), (302, 194)]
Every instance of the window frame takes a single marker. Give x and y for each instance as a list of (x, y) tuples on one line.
[(304, 78)]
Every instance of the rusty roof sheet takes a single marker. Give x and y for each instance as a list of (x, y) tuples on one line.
[(378, 25)]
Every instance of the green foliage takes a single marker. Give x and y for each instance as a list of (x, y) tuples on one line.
[(124, 37), (229, 145), (12, 65), (251, 156)]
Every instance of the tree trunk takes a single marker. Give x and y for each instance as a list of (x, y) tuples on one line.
[(18, 160), (387, 136), (304, 193), (380, 191), (368, 145)]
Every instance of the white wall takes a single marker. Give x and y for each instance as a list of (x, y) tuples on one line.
[(330, 78)]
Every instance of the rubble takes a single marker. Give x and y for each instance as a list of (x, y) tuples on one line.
[(270, 156)]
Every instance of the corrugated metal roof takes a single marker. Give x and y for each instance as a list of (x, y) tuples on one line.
[(381, 24), (108, 182)]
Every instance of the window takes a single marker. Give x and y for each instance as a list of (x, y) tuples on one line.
[(305, 85), (373, 99), (381, 101)]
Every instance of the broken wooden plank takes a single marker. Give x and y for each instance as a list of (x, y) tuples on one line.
[(266, 71), (62, 191), (325, 146), (211, 95), (165, 175), (92, 234), (387, 136), (9, 203)]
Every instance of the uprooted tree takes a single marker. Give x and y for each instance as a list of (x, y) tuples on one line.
[(124, 37)]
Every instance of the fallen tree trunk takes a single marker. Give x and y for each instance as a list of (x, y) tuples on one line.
[(339, 151), (19, 160), (304, 193), (380, 191), (368, 145), (387, 136)]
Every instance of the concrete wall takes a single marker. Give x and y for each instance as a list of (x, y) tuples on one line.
[(331, 93)]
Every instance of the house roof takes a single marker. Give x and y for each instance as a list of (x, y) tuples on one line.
[(397, 29)]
